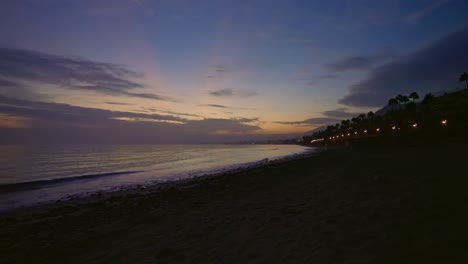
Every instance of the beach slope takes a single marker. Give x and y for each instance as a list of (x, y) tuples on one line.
[(392, 204)]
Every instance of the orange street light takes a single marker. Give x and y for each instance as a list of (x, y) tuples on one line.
[(444, 122), (378, 129), (415, 125)]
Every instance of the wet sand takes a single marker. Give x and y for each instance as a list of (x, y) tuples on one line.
[(362, 204)]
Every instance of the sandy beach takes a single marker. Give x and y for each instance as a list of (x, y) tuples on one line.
[(362, 204)]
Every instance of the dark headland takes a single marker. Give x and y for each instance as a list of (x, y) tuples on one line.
[(398, 200)]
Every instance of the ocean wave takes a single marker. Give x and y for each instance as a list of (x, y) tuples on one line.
[(13, 187)]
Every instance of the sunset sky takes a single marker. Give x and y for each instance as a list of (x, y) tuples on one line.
[(187, 71)]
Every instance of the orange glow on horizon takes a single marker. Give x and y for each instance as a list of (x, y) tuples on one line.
[(11, 121)]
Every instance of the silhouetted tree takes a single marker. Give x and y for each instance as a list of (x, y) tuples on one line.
[(428, 98), (345, 124), (464, 78), (414, 96), (402, 99), (370, 114), (392, 102)]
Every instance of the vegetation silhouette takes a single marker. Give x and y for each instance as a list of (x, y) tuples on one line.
[(429, 119), (464, 78)]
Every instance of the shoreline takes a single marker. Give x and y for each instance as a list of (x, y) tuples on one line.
[(401, 204), (156, 186)]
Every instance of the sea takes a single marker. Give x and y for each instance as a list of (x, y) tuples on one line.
[(39, 174)]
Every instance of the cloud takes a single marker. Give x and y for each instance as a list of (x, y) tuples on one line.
[(427, 10), (18, 66), (116, 103), (220, 68), (119, 92), (65, 113), (360, 62), (311, 121), (23, 121), (171, 112), (216, 126), (327, 76), (222, 92), (341, 112), (215, 105), (231, 93), (7, 83), (433, 68), (247, 120)]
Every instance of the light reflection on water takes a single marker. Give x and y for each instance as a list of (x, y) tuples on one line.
[(122, 165)]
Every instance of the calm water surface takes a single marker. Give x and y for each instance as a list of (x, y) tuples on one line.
[(37, 174)]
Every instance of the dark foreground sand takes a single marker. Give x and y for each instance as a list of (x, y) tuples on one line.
[(392, 204)]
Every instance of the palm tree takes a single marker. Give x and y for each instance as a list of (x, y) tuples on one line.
[(393, 102), (428, 98), (402, 99), (414, 96), (464, 78), (370, 118)]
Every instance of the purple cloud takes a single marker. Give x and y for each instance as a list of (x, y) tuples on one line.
[(18, 65), (433, 68)]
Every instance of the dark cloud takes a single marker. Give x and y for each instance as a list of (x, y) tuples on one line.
[(247, 120), (215, 105), (312, 121), (360, 62), (64, 113), (222, 92), (117, 103), (431, 69), (7, 83), (231, 93), (172, 112), (60, 123), (341, 112), (119, 92), (18, 66)]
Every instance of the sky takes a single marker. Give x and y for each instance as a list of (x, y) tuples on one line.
[(213, 71)]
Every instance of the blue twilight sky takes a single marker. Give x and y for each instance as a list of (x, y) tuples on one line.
[(214, 71)]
